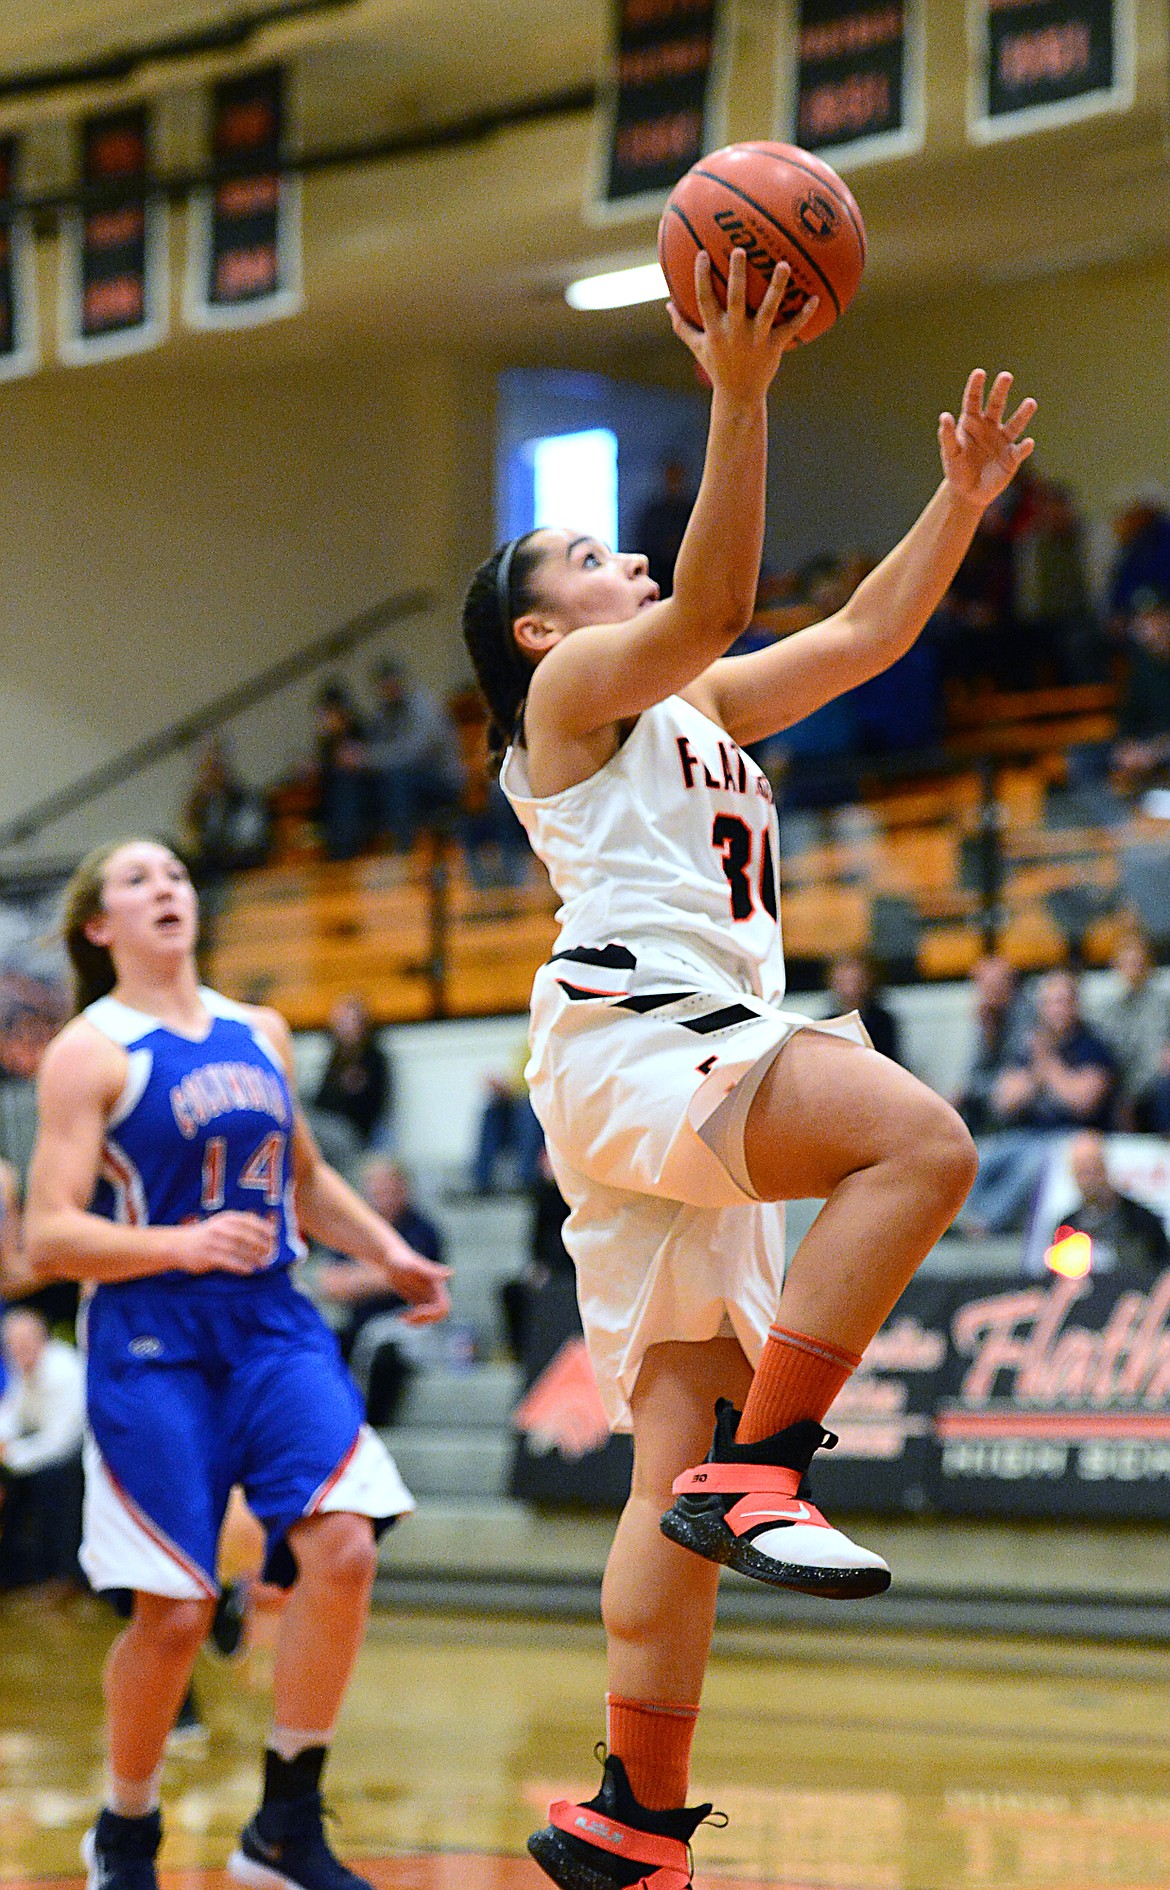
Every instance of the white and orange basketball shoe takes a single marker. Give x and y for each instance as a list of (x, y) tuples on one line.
[(748, 1507)]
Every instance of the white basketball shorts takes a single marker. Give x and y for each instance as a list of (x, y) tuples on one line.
[(633, 1052)]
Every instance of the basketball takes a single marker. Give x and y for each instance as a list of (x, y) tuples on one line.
[(779, 204)]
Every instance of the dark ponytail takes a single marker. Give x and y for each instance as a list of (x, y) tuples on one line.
[(501, 590)]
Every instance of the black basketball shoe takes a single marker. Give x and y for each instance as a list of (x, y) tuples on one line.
[(748, 1508), (614, 1843), (119, 1853)]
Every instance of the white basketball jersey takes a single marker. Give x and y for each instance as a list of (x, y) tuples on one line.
[(675, 838)]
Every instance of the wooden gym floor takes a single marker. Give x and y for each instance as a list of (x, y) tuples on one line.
[(845, 1762)]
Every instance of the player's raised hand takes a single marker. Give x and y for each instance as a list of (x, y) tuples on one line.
[(985, 447), (229, 1242), (739, 352)]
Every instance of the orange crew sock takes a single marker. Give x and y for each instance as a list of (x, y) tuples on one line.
[(797, 1377), (652, 1738)]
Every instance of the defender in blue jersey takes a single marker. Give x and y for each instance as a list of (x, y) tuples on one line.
[(171, 1169)]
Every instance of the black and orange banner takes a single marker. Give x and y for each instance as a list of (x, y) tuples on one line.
[(18, 342), (565, 1453), (244, 249), (858, 82), (659, 114), (1048, 62), (1010, 1397), (1046, 1397), (114, 278)]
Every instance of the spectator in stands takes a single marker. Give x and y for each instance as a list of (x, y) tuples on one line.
[(359, 1291), (1136, 1025), (1127, 1237), (547, 1258), (1051, 601), (342, 810), (663, 521), (999, 1008), (357, 1085), (226, 826), (1142, 750), (413, 756), (854, 988), (1142, 531), (42, 1417), (972, 628), (507, 1127), (901, 710), (498, 853), (1062, 1077)]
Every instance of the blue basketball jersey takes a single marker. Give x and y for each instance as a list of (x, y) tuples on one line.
[(200, 1125)]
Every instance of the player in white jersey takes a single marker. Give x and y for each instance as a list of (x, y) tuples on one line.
[(682, 1104), (171, 1168)]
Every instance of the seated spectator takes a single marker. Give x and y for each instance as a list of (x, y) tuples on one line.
[(1142, 749), (496, 845), (547, 1258), (342, 810), (853, 988), (498, 853), (413, 756), (1136, 1025), (1052, 605), (507, 1128), (972, 628), (226, 824), (42, 1419), (1062, 1077), (1142, 562), (361, 1297), (1128, 1238), (998, 1022), (901, 709), (356, 1086)]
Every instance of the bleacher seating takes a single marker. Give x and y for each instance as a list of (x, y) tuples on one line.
[(412, 936)]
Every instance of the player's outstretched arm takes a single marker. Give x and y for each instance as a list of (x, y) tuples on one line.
[(981, 450), (80, 1080), (607, 673)]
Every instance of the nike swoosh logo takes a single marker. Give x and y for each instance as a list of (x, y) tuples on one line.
[(800, 1514)]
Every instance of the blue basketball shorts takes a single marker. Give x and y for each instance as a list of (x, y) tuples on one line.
[(196, 1384)]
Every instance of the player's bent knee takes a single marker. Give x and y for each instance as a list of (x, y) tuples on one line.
[(947, 1153), (340, 1548), (176, 1628)]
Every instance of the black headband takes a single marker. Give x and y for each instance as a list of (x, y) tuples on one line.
[(504, 582)]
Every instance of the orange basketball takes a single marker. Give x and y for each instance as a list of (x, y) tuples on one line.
[(778, 203)]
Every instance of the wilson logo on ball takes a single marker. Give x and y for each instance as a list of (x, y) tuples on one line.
[(818, 216)]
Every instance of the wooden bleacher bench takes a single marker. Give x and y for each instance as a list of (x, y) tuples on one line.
[(993, 708), (303, 934)]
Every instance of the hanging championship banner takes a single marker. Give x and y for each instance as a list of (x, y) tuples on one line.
[(1047, 62), (18, 280), (663, 108), (857, 91), (244, 235), (114, 252)]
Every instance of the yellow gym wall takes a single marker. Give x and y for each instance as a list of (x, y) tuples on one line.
[(165, 535), (854, 416)]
